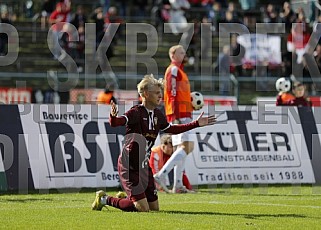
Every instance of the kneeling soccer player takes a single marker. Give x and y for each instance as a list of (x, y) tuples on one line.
[(143, 123)]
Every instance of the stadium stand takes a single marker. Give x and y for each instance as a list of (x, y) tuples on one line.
[(35, 60)]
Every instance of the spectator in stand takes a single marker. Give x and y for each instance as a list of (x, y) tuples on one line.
[(216, 15), (68, 6), (310, 68), (140, 8), (161, 154), (300, 15), (229, 18), (99, 20), (68, 44), (235, 14), (80, 49), (58, 16), (287, 16), (207, 6), (79, 18), (72, 47), (205, 39), (271, 16), (317, 56), (112, 17), (237, 52), (224, 3), (316, 25), (177, 15), (224, 63), (297, 41), (28, 7), (314, 10), (193, 33), (160, 14), (300, 98), (63, 38), (102, 24), (47, 8)]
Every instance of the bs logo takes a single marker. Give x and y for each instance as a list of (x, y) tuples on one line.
[(66, 147)]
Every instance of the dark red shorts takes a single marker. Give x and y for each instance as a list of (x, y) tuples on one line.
[(138, 184)]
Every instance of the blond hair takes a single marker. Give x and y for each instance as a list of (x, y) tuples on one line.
[(166, 138), (147, 83), (173, 49)]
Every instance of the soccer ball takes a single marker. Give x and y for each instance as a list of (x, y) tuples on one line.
[(197, 100), (283, 84)]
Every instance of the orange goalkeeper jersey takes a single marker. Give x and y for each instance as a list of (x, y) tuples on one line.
[(177, 93)]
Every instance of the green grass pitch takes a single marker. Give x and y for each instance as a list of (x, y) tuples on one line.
[(222, 207)]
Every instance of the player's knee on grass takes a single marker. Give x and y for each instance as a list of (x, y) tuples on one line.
[(142, 205), (154, 206)]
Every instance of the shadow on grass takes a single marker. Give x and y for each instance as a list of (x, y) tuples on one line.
[(26, 200), (247, 216)]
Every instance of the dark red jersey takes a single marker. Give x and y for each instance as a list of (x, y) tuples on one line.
[(142, 128), (300, 101), (284, 98)]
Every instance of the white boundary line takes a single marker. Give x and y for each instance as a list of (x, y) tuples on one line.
[(249, 203), (268, 204)]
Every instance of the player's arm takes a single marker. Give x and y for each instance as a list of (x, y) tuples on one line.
[(199, 122), (114, 120), (172, 90), (113, 99)]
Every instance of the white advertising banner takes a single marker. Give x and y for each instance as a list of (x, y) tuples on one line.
[(251, 145), (68, 145), (74, 146), (261, 48)]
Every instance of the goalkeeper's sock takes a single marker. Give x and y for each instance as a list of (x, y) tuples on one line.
[(178, 156), (186, 182), (178, 173), (121, 203)]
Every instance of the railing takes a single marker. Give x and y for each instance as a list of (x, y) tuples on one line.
[(34, 26), (235, 83), (129, 81)]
